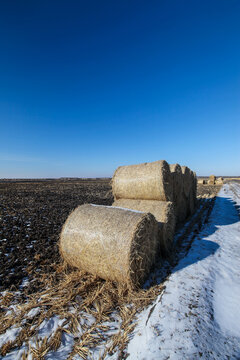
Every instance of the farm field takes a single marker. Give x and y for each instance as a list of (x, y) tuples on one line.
[(54, 312)]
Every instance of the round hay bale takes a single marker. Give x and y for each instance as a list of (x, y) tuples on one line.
[(193, 192), (164, 213), (148, 181), (183, 212), (195, 188), (115, 244), (212, 179), (187, 180), (201, 181), (177, 179), (219, 181)]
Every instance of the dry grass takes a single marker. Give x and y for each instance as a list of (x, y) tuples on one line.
[(99, 298), (72, 295)]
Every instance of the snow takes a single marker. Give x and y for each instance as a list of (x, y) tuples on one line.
[(33, 312), (64, 350), (198, 314), (46, 329), (9, 335), (49, 326)]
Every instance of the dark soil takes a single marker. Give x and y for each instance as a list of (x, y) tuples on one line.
[(31, 217)]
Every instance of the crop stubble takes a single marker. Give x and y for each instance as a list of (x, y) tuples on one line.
[(32, 215)]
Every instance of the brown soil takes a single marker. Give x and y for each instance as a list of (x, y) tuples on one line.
[(31, 217)]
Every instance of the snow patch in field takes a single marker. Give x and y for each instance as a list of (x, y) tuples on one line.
[(9, 335), (64, 349), (49, 326), (33, 312)]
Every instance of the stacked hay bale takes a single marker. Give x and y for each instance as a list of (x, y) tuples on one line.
[(148, 181), (121, 242), (219, 181), (178, 192), (193, 192), (163, 212), (187, 189), (115, 244), (148, 187), (201, 181), (212, 179)]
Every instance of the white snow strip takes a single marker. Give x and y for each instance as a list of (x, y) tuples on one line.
[(198, 314)]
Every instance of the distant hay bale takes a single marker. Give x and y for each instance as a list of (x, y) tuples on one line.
[(177, 179), (219, 181), (201, 181), (164, 213), (212, 179), (148, 181), (112, 243)]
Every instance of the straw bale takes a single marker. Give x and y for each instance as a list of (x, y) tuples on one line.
[(201, 181), (195, 188), (212, 179), (112, 243), (164, 213), (183, 213), (193, 192), (148, 181), (219, 181), (187, 180), (177, 179)]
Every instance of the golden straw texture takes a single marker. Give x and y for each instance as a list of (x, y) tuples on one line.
[(219, 181), (212, 179), (148, 181), (115, 244), (164, 214)]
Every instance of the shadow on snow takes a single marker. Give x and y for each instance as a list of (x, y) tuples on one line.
[(195, 247)]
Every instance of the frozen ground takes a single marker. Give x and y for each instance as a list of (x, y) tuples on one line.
[(198, 314)]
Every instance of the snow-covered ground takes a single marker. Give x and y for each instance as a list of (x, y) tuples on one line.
[(198, 314)]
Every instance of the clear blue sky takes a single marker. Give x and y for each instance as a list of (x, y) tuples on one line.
[(86, 86)]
